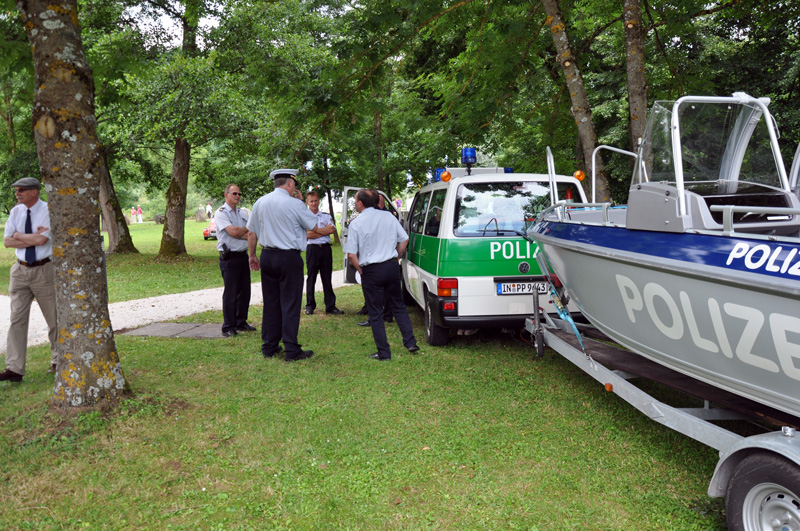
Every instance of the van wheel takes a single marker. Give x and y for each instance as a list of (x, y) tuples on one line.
[(763, 493), (435, 335)]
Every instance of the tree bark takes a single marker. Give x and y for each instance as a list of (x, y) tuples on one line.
[(89, 372), (330, 198), (119, 237), (172, 237), (634, 53), (379, 147), (7, 112), (580, 101)]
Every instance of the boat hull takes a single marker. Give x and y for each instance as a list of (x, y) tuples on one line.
[(724, 310)]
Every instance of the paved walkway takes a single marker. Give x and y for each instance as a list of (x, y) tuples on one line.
[(132, 314)]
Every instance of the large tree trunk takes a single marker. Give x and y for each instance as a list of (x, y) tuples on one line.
[(634, 52), (119, 237), (580, 101), (89, 372), (330, 197), (172, 242)]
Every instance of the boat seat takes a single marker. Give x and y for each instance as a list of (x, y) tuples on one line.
[(745, 222)]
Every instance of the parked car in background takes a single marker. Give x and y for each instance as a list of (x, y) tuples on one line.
[(211, 230)]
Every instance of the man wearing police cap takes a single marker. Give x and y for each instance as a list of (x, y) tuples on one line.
[(31, 277), (279, 223)]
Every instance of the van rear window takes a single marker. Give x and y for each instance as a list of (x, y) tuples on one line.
[(498, 208)]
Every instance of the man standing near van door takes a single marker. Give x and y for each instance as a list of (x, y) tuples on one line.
[(232, 233), (279, 223), (31, 277), (375, 241), (319, 258)]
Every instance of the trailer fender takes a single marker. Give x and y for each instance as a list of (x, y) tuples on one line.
[(785, 443)]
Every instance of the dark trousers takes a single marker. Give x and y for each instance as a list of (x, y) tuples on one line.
[(381, 285), (319, 260), (282, 290), (236, 295)]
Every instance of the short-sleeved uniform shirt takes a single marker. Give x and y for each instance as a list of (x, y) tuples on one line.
[(227, 216), (374, 236), (280, 221), (323, 220)]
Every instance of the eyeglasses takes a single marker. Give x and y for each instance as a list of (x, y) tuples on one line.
[(235, 193)]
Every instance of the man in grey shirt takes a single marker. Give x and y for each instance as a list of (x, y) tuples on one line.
[(374, 242), (232, 235), (279, 222)]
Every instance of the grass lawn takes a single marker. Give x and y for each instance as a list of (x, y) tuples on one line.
[(475, 435), (138, 276)]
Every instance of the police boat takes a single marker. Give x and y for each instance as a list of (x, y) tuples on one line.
[(700, 271)]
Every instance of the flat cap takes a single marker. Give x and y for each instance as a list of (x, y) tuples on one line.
[(28, 182), (284, 173)]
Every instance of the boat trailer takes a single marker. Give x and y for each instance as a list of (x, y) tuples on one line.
[(748, 466)]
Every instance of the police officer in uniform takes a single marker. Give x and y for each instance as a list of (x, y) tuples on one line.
[(232, 246), (319, 258), (31, 277), (374, 242), (279, 223)]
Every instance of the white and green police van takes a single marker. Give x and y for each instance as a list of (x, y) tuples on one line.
[(467, 264)]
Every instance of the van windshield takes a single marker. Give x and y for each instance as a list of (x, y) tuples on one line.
[(499, 208)]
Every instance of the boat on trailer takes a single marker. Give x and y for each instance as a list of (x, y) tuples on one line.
[(700, 273)]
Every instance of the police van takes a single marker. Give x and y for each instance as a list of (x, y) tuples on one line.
[(467, 265)]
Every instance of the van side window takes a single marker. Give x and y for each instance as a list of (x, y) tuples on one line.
[(418, 213), (434, 219)]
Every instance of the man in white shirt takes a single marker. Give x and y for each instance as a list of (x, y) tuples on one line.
[(319, 258), (31, 277)]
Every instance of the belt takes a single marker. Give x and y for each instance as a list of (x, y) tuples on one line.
[(37, 263), (277, 249), (317, 244), (380, 263), (222, 253)]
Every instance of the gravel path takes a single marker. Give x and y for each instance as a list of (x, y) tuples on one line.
[(132, 314)]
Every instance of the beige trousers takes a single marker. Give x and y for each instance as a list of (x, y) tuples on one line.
[(28, 283)]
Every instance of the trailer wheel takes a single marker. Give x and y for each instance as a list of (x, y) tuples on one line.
[(435, 335), (763, 494)]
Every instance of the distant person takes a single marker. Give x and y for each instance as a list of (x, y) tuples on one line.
[(399, 203), (139, 212), (280, 224), (31, 277), (319, 258), (209, 211), (375, 241), (232, 233), (133, 215)]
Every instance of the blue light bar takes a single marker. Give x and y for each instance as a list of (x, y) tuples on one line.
[(468, 156), (437, 174)]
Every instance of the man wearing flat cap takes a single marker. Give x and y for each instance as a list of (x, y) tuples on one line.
[(279, 222), (32, 276)]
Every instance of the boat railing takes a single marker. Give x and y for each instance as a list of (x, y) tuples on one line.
[(562, 209), (594, 164), (729, 210)]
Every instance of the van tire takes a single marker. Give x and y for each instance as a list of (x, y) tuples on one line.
[(435, 335)]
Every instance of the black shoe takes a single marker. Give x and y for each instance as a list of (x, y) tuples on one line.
[(10, 376), (246, 328), (377, 356), (52, 368), (309, 310), (269, 354), (304, 355), (363, 323), (413, 349), (334, 311), (230, 333), (363, 311)]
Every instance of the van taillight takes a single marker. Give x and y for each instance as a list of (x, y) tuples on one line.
[(447, 287)]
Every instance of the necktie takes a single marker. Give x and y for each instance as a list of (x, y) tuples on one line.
[(30, 252)]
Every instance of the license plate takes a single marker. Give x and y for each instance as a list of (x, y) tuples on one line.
[(520, 288)]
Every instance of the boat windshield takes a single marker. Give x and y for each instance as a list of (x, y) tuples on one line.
[(503, 208), (725, 148)]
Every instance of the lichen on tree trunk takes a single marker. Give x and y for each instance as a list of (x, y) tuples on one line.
[(89, 372)]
